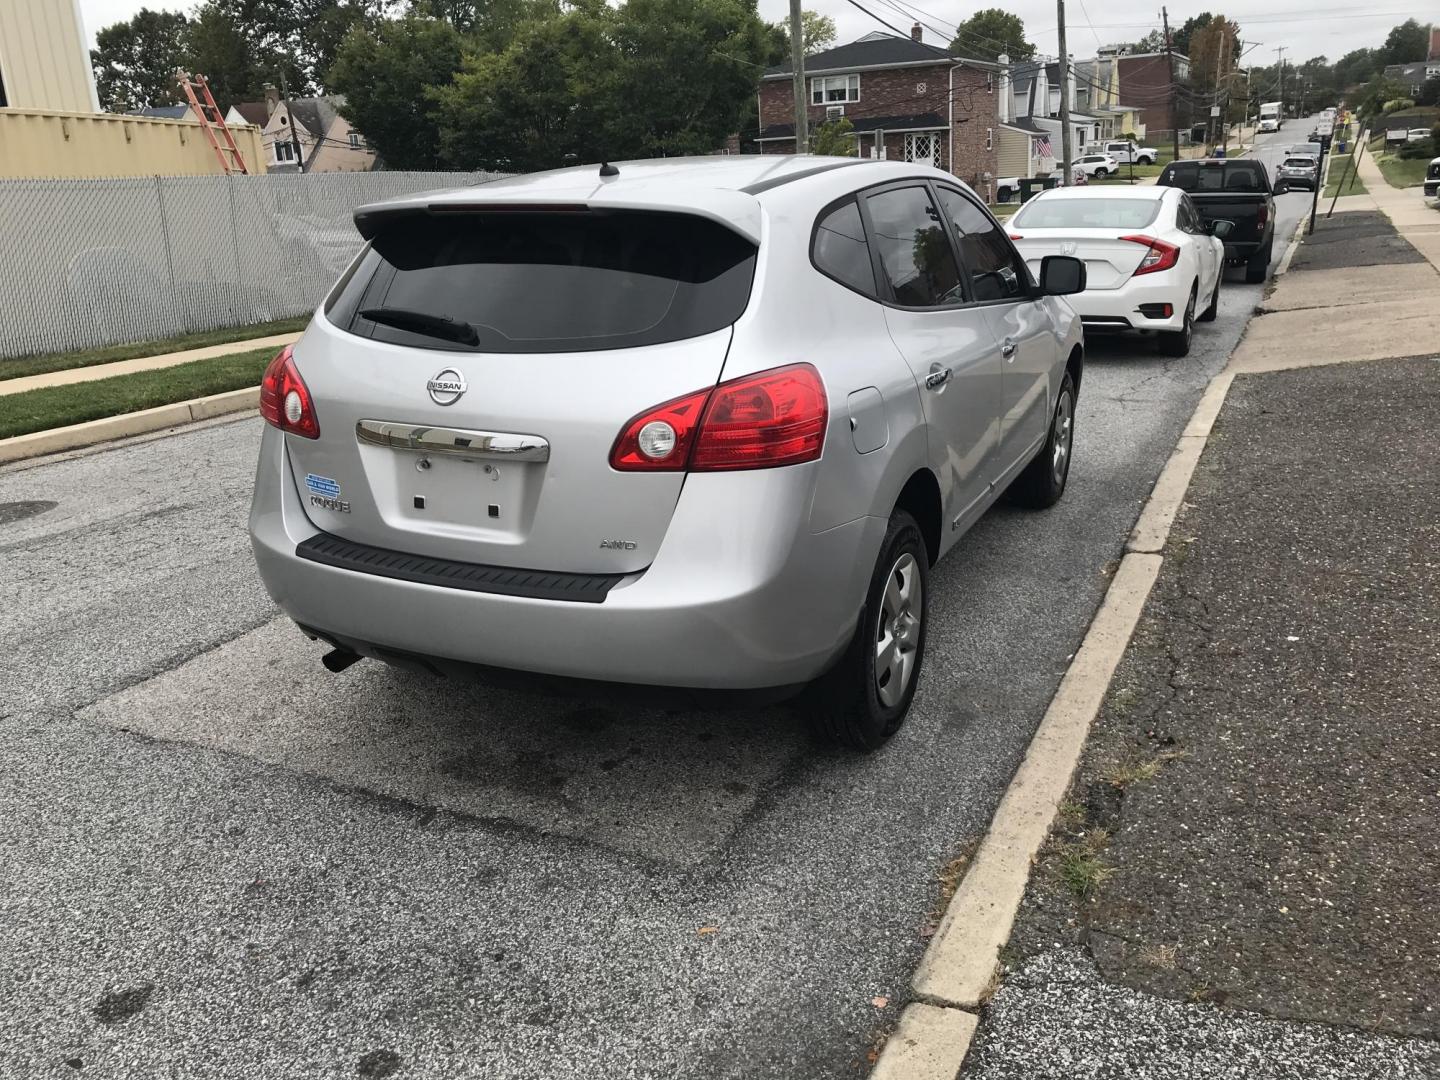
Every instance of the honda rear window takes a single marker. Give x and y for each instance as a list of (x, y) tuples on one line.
[(1051, 212), (535, 282)]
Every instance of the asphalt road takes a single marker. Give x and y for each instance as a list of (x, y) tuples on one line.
[(218, 860)]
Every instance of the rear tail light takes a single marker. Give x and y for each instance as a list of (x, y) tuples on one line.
[(285, 400), (1262, 216), (1161, 256), (1016, 236), (760, 421)]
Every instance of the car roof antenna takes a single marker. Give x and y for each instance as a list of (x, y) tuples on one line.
[(606, 169)]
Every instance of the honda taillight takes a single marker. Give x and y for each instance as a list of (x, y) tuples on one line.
[(1161, 256), (760, 421), (285, 400)]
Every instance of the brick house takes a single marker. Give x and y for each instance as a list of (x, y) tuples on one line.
[(909, 101), (1144, 82)]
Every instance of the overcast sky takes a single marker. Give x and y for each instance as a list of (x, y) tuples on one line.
[(1330, 30)]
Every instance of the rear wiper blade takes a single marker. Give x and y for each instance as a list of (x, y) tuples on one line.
[(422, 322)]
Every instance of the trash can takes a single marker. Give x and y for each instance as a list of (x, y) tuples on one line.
[(1030, 186)]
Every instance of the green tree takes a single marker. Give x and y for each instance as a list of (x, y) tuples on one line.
[(1406, 43), (389, 74), (489, 24), (817, 31), (835, 138), (686, 72), (1181, 38), (988, 33), (135, 61), (1357, 66), (547, 95)]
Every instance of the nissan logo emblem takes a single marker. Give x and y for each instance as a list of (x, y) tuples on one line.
[(447, 387)]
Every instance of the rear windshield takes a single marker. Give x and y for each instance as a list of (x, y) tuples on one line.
[(534, 282), (1214, 176), (1299, 163), (1086, 213)]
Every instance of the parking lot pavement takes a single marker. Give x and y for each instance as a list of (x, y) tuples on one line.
[(222, 860)]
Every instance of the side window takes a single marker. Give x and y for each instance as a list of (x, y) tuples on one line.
[(990, 260), (840, 249), (914, 250)]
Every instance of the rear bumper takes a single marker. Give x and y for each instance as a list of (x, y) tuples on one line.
[(740, 596), (1119, 309)]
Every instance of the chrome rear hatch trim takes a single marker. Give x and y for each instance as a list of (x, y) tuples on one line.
[(478, 445)]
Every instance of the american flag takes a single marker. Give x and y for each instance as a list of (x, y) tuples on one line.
[(1042, 146)]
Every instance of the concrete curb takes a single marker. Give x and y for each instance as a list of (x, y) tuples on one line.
[(119, 427), (929, 1044)]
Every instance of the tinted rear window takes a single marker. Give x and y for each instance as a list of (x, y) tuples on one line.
[(1217, 176), (1050, 212), (550, 282), (1299, 163)]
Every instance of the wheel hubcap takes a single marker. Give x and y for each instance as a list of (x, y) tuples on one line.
[(897, 637), (1060, 437)]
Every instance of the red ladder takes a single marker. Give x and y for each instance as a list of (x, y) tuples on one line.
[(211, 119)]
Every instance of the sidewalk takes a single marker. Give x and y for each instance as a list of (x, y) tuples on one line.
[(1406, 208), (70, 376), (1242, 882)]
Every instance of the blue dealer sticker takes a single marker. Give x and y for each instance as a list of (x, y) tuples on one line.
[(322, 485)]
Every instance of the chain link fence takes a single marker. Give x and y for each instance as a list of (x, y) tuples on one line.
[(100, 262)]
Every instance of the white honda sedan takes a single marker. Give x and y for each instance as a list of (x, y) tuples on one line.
[(1150, 262)]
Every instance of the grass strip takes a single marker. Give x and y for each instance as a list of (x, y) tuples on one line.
[(1353, 186), (106, 354), (60, 406), (1402, 172)]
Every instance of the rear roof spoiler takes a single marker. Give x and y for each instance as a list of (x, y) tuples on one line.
[(737, 211)]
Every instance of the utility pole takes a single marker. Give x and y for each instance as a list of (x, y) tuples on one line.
[(797, 61), (1280, 61), (290, 116), (1170, 61), (1066, 174), (1216, 120)]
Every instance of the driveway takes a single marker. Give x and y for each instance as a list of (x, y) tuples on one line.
[(222, 861)]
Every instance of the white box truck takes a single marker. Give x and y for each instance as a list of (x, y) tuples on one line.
[(1270, 116)]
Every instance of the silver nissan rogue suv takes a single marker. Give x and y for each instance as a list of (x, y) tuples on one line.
[(688, 422)]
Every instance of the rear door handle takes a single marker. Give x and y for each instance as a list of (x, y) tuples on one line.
[(1007, 349), (937, 378)]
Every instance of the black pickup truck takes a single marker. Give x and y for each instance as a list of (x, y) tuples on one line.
[(1237, 190)]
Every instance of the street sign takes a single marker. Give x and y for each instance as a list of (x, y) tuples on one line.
[(1214, 110)]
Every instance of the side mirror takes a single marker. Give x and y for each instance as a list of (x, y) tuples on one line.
[(1220, 229), (1061, 275)]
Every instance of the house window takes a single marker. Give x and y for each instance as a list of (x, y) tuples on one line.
[(989, 138), (284, 151), (357, 142), (834, 89), (923, 146), (990, 82)]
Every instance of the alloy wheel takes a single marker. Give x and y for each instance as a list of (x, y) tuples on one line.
[(897, 637), (1061, 435)]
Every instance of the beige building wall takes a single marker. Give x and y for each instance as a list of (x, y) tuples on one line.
[(336, 154), (35, 143), (44, 62), (1014, 153)]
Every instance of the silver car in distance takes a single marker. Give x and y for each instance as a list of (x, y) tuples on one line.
[(698, 423)]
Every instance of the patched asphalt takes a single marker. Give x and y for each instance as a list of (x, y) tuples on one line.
[(1354, 238), (222, 861), (1057, 1019)]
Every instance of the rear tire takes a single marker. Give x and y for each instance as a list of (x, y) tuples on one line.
[(1043, 481), (1177, 342), (1208, 315), (1258, 268), (865, 697)]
